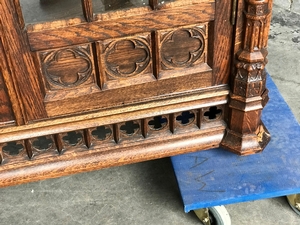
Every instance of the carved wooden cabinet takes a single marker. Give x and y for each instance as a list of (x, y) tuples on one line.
[(96, 83)]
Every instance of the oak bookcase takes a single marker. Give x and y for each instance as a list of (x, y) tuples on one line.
[(91, 84)]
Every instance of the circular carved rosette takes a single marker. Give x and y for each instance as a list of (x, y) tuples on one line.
[(67, 67), (127, 58), (182, 48)]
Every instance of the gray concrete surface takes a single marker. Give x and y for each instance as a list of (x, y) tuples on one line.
[(146, 193), (291, 5)]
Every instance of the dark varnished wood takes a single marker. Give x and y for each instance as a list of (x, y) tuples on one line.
[(246, 133), (118, 82), (87, 7)]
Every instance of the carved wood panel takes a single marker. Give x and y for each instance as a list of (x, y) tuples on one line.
[(182, 49), (124, 66), (124, 70), (68, 72), (125, 61), (67, 67), (113, 136)]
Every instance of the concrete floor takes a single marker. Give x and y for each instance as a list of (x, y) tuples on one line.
[(146, 193)]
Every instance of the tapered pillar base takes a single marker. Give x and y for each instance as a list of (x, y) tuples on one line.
[(246, 144)]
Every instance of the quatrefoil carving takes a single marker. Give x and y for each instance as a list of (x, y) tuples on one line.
[(185, 118), (182, 48), (13, 148), (68, 67), (213, 113), (102, 132), (130, 128), (127, 58), (158, 123)]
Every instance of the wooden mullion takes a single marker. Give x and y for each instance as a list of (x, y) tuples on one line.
[(1, 153), (153, 4), (87, 8), (199, 118), (28, 147), (14, 97), (19, 13), (144, 126), (87, 138), (59, 143), (172, 120), (23, 68), (116, 133)]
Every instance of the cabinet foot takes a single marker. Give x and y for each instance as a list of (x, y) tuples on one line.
[(246, 144)]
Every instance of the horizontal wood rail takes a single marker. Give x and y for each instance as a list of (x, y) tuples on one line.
[(100, 30)]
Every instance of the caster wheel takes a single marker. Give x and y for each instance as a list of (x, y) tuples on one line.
[(216, 215), (294, 202)]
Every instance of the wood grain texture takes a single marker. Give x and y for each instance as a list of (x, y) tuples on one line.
[(154, 4), (246, 134), (151, 91), (94, 31), (6, 113), (23, 68), (11, 112), (66, 68), (128, 83), (12, 92), (181, 49), (19, 14), (104, 117), (239, 28), (222, 42), (87, 8), (84, 161), (125, 61)]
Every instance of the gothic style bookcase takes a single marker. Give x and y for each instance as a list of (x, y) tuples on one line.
[(97, 83)]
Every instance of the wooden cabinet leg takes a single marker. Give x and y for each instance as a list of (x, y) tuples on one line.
[(246, 134)]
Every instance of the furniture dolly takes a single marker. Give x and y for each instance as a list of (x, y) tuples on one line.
[(215, 177), (91, 84)]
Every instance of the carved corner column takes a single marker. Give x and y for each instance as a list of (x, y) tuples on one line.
[(246, 134)]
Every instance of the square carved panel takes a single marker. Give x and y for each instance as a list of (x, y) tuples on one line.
[(125, 61), (67, 68), (183, 48)]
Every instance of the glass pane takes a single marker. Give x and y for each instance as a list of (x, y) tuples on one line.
[(36, 11), (110, 5)]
